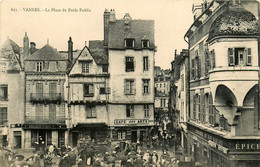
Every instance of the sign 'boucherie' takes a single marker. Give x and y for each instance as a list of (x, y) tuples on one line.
[(130, 121)]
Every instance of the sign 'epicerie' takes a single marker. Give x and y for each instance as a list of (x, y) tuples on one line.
[(130, 121)]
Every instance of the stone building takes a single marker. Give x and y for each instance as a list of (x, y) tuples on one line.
[(131, 50), (12, 86), (223, 122), (44, 117)]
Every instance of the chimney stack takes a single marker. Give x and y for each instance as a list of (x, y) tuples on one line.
[(25, 49), (112, 15), (32, 47), (106, 23), (70, 49)]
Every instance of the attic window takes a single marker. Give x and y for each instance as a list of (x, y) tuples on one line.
[(39, 66), (145, 43), (129, 43)]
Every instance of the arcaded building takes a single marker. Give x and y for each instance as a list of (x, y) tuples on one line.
[(223, 126)]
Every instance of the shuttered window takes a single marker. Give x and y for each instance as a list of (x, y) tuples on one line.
[(129, 86), (91, 112), (231, 59), (249, 57), (212, 54), (192, 69), (88, 90), (130, 111)]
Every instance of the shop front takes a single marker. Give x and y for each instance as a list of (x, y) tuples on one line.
[(44, 134), (132, 130), (89, 131), (211, 150)]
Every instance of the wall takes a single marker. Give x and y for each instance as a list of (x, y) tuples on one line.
[(118, 75)]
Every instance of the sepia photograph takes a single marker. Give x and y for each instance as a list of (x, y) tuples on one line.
[(129, 83)]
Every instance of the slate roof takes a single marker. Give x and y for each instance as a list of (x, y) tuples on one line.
[(137, 29), (46, 53), (11, 45), (235, 21), (98, 51)]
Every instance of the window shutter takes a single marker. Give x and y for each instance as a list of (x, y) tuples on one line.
[(91, 89), (132, 114), (88, 111), (194, 106), (249, 57), (192, 69), (94, 113), (230, 57), (213, 59), (198, 67)]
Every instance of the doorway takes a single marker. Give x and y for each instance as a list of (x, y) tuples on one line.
[(17, 139), (75, 137), (134, 136)]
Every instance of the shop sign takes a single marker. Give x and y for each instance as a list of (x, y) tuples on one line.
[(247, 146), (212, 144), (130, 121)]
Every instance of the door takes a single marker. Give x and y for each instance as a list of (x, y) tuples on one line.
[(134, 136), (61, 138), (39, 91), (42, 136), (75, 137)]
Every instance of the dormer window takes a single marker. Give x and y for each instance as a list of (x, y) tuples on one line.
[(129, 42), (145, 43), (39, 66)]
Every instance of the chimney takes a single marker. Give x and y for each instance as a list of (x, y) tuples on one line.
[(70, 50), (106, 23), (32, 47), (112, 15), (25, 49)]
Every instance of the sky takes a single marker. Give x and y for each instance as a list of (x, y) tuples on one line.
[(83, 21)]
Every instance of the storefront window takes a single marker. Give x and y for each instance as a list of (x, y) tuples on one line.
[(121, 135)]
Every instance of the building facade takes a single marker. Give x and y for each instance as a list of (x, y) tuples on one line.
[(131, 50), (88, 94), (223, 122), (12, 86), (44, 117)]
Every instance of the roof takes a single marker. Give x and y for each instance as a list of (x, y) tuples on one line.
[(98, 51), (137, 29), (11, 46), (234, 21), (45, 53)]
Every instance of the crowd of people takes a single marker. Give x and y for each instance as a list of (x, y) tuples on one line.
[(119, 155)]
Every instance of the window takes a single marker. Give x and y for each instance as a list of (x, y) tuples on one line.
[(194, 107), (145, 63), (102, 91), (88, 90), (3, 92), (197, 59), (129, 64), (207, 62), (91, 112), (3, 115), (163, 102), (121, 135), (129, 43), (145, 43), (239, 56), (211, 111), (39, 66), (146, 111), (129, 86), (212, 55), (104, 68), (146, 86), (85, 67), (198, 107), (130, 111), (192, 69)]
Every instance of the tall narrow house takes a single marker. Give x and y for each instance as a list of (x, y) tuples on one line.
[(131, 50), (223, 127), (44, 118)]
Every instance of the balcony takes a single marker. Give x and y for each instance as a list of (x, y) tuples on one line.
[(44, 120), (45, 97)]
